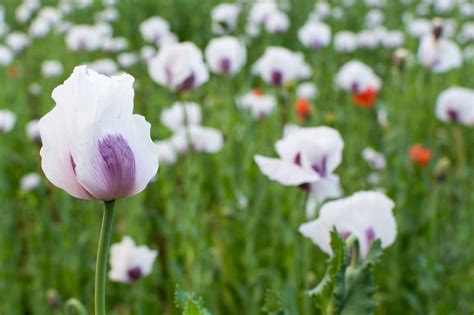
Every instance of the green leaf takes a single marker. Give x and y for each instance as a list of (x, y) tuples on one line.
[(189, 303), (273, 304)]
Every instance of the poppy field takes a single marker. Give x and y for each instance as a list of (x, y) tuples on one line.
[(249, 157)]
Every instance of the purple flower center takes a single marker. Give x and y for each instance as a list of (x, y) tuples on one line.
[(188, 83), (224, 64), (315, 44), (321, 168), (118, 166), (453, 115), (355, 87), (135, 273), (370, 235), (277, 77), (297, 161)]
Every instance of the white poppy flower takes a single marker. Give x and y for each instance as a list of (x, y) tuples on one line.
[(373, 18), (93, 146), (376, 160), (181, 114), (147, 52), (307, 90), (17, 41), (6, 56), (166, 151), (307, 158), (201, 139), (51, 68), (224, 17), (277, 22), (129, 262), (279, 65), (114, 44), (34, 88), (261, 10), (154, 29), (126, 60), (104, 66), (7, 120), (321, 11), (467, 32), (179, 67), (30, 182), (456, 104), (419, 27), (314, 34), (32, 130), (357, 77), (366, 214), (345, 41), (439, 54), (393, 39), (260, 105), (367, 39), (225, 55), (84, 37)]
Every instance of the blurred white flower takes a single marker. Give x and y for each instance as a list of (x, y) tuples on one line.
[(225, 55), (279, 65), (129, 262), (373, 18), (51, 68), (201, 139), (127, 60), (154, 29), (456, 105), (382, 118), (393, 39), (314, 34), (179, 67), (17, 41), (7, 120), (467, 32), (34, 88), (108, 15), (439, 54), (32, 130), (277, 22), (6, 56), (39, 28), (307, 159), (307, 90), (181, 114), (166, 151), (147, 52), (443, 6), (419, 27), (367, 39), (366, 214), (114, 44), (104, 66), (357, 77), (225, 17), (376, 160), (345, 41), (260, 105), (30, 182), (84, 37)]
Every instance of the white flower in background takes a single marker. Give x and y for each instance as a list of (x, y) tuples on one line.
[(166, 151), (225, 17), (467, 32), (30, 182), (345, 41), (277, 22), (261, 10), (154, 29), (94, 147), (25, 10), (6, 56), (439, 54), (468, 53), (357, 77), (32, 130), (104, 66), (50, 15), (375, 3), (373, 18), (456, 105), (382, 117), (308, 158), (337, 13), (7, 120), (367, 215), (314, 34), (367, 39), (39, 28), (419, 27), (129, 262), (393, 39), (320, 11), (84, 37), (126, 60), (307, 90), (466, 9), (34, 88), (179, 67), (279, 65), (259, 104), (51, 68), (201, 139), (181, 114), (17, 41), (225, 55), (114, 44), (147, 52), (376, 160), (443, 6), (109, 14)]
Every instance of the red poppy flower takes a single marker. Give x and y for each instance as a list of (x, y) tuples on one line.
[(365, 98), (303, 107), (420, 154), (257, 91)]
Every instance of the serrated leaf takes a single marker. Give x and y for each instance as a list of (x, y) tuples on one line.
[(272, 304), (189, 303)]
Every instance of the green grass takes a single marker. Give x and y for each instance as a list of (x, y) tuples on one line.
[(227, 254)]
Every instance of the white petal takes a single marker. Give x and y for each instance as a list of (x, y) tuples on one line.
[(285, 173)]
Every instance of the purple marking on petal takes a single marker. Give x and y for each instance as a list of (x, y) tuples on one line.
[(73, 164), (297, 159), (118, 166), (453, 115), (370, 235), (277, 77), (224, 65), (315, 44), (321, 168), (188, 83), (345, 234), (135, 273), (355, 87)]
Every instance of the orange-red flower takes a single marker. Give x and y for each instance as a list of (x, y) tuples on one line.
[(257, 91), (365, 98), (420, 154), (303, 107), (12, 72)]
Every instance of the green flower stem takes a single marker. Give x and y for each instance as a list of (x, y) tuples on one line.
[(102, 254), (73, 306)]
